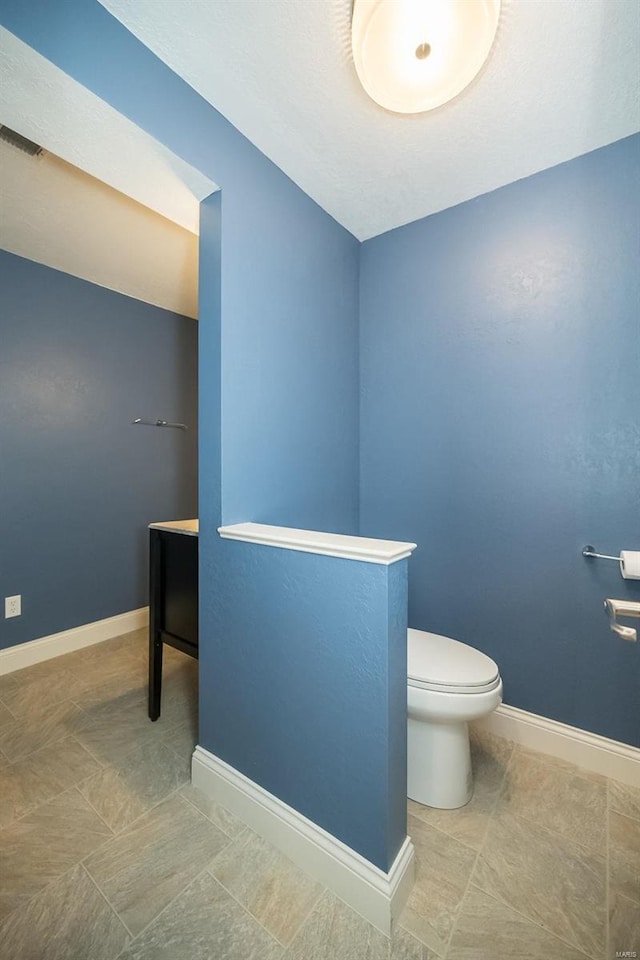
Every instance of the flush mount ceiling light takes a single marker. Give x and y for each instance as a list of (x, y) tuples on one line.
[(414, 55)]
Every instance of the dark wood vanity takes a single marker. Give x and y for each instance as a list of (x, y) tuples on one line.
[(173, 597)]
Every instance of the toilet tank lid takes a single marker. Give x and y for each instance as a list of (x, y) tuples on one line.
[(436, 659)]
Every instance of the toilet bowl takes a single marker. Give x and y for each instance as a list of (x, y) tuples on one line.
[(448, 684)]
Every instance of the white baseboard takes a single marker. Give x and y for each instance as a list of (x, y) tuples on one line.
[(377, 896), (610, 758), (35, 651)]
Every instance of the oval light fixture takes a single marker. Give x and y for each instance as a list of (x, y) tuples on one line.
[(414, 55)]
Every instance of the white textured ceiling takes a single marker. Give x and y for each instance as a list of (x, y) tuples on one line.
[(562, 80), (43, 103)]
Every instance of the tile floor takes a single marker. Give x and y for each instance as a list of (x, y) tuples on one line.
[(107, 852)]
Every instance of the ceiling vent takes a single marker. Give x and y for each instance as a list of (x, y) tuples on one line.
[(19, 142)]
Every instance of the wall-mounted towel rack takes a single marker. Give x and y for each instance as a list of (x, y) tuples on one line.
[(159, 423), (590, 551)]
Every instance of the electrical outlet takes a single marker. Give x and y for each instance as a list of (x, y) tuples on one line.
[(12, 607)]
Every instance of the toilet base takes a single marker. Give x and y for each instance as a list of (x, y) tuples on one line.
[(439, 764)]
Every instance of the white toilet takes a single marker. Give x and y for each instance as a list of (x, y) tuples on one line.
[(449, 683)]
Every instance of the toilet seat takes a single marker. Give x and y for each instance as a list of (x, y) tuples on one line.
[(452, 688), (442, 664)]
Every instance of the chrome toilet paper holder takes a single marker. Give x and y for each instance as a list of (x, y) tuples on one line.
[(590, 551), (622, 608)]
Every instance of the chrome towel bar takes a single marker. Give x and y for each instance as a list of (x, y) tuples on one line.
[(159, 423)]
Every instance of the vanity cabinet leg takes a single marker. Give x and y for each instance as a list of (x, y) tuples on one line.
[(155, 676), (155, 607)]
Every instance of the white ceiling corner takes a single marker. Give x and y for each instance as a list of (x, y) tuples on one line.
[(562, 80), (54, 214)]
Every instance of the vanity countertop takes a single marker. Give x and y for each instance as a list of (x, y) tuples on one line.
[(188, 527)]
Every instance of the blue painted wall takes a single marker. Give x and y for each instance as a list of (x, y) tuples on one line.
[(78, 483), (279, 429), (289, 281), (312, 699), (500, 359)]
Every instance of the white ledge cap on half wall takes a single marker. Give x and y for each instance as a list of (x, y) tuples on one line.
[(314, 541)]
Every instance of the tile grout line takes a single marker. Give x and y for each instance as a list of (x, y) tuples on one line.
[(550, 830), (41, 746), (535, 923), (105, 897), (79, 863), (443, 833), (498, 899), (479, 852), (242, 906), (321, 893), (164, 909), (139, 817), (101, 763), (108, 903), (174, 751), (232, 839), (54, 796), (554, 834), (8, 708), (98, 814), (302, 923)]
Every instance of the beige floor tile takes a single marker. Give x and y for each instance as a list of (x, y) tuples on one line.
[(6, 717), (175, 658), (334, 932), (489, 930), (490, 757), (44, 845), (179, 709), (218, 814), (144, 777), (204, 923), (624, 856), (467, 824), (182, 739), (7, 682), (180, 677), (500, 748), (557, 796), (41, 693), (404, 946), (68, 920), (157, 869), (41, 776), (267, 884), (125, 646), (150, 862), (624, 799), (28, 674), (546, 877), (42, 727), (443, 868), (109, 730), (624, 926), (100, 684)]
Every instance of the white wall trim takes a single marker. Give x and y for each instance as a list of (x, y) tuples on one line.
[(316, 541), (610, 758), (377, 896), (35, 651)]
